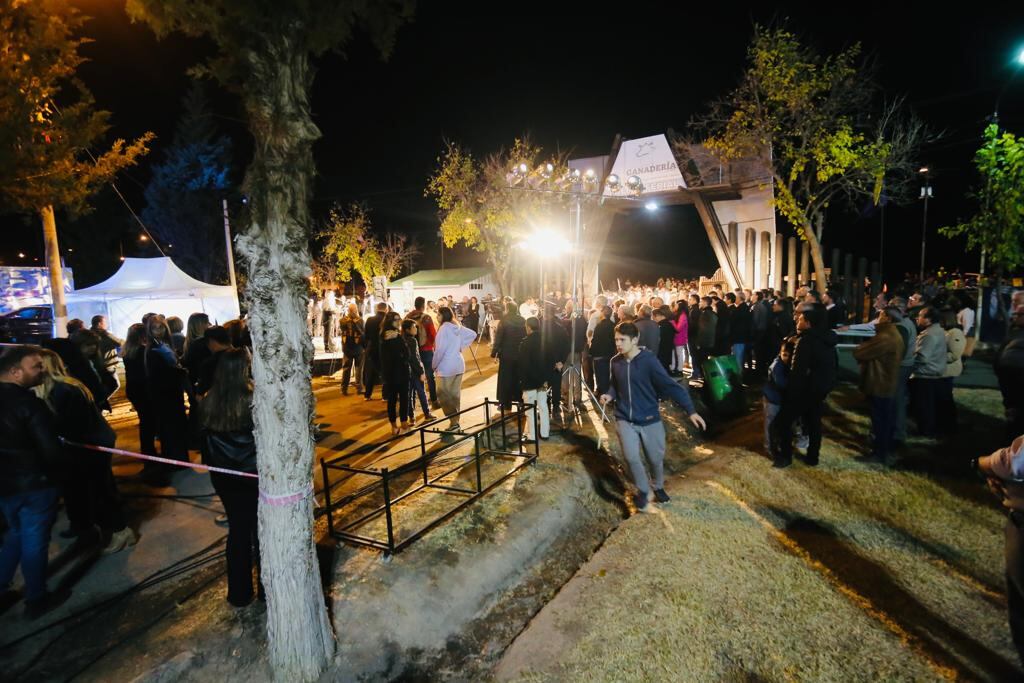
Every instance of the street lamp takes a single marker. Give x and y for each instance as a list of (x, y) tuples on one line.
[(926, 194)]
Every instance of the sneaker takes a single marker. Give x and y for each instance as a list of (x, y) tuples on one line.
[(447, 437), (49, 601), (661, 496), (641, 503), (780, 463), (428, 417)]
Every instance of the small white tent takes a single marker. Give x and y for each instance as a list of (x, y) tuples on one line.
[(144, 285)]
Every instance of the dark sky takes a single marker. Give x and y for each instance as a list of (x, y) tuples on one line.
[(482, 73)]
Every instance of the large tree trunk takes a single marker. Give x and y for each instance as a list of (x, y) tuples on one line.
[(275, 247), (814, 246), (60, 307)]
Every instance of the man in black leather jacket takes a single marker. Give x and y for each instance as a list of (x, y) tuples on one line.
[(811, 377), (30, 456), (371, 355)]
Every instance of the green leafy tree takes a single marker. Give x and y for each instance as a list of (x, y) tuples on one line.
[(997, 229), (348, 243), (480, 210), (264, 51), (809, 120), (48, 124)]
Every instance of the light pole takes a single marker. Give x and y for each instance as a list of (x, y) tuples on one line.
[(926, 194), (578, 186)]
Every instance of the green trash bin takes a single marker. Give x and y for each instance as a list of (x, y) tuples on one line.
[(723, 384)]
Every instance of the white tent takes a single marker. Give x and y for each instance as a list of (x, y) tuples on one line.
[(144, 285)]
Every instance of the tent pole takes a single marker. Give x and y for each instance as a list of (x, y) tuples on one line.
[(227, 243)]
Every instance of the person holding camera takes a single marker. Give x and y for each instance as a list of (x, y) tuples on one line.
[(1004, 471)]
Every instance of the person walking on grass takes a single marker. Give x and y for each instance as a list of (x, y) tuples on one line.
[(638, 380)]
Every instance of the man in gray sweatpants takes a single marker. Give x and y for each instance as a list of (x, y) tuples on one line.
[(638, 380)]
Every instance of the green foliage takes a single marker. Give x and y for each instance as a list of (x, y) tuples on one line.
[(478, 208), (803, 116), (48, 120), (348, 245), (248, 32), (998, 226)]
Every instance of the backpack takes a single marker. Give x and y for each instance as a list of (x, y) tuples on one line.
[(421, 329)]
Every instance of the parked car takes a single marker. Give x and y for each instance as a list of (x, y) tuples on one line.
[(29, 325)]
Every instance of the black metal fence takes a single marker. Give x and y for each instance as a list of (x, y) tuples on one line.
[(377, 492)]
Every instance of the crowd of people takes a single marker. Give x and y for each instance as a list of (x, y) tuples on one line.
[(190, 387)]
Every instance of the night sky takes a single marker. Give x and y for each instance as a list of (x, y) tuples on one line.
[(482, 73)]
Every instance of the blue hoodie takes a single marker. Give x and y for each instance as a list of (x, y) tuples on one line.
[(638, 384)]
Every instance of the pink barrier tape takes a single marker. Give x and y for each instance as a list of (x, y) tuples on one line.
[(289, 499), (166, 461)]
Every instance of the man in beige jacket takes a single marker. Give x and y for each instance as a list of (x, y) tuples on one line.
[(879, 359)]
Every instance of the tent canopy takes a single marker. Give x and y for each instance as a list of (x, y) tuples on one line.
[(142, 285)]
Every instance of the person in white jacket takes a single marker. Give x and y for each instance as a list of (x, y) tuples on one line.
[(449, 366)]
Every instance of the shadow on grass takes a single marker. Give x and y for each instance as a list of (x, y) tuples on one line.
[(606, 475), (943, 642)]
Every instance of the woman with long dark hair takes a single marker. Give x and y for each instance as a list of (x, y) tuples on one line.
[(196, 348), (91, 499), (133, 353), (166, 382), (225, 416), (394, 371), (511, 332), (471, 320)]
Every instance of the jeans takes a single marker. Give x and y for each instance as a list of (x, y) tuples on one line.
[(602, 372), (370, 376), (540, 398), (682, 357), (397, 395), (883, 415), (30, 517), (771, 410), (427, 357), (652, 438), (924, 395), (240, 496), (738, 351), (416, 389), (809, 413), (351, 361)]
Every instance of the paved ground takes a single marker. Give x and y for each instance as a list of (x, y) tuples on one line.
[(842, 572)]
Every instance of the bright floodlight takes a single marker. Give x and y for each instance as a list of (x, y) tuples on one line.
[(546, 243), (651, 206), (547, 170), (613, 183), (634, 184), (1020, 57)]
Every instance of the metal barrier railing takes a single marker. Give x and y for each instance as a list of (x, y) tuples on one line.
[(485, 442)]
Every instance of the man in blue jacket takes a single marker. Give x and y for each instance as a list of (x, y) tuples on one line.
[(638, 381)]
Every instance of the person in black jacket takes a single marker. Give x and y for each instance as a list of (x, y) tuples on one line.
[(811, 377), (133, 353), (555, 342), (92, 500), (692, 335), (602, 348), (417, 371), (371, 350), (394, 371), (723, 328), (534, 376), (196, 349), (229, 443), (740, 328), (166, 382), (511, 331), (352, 333), (30, 465), (667, 344)]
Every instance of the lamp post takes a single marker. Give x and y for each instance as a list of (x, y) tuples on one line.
[(578, 186), (926, 194)]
